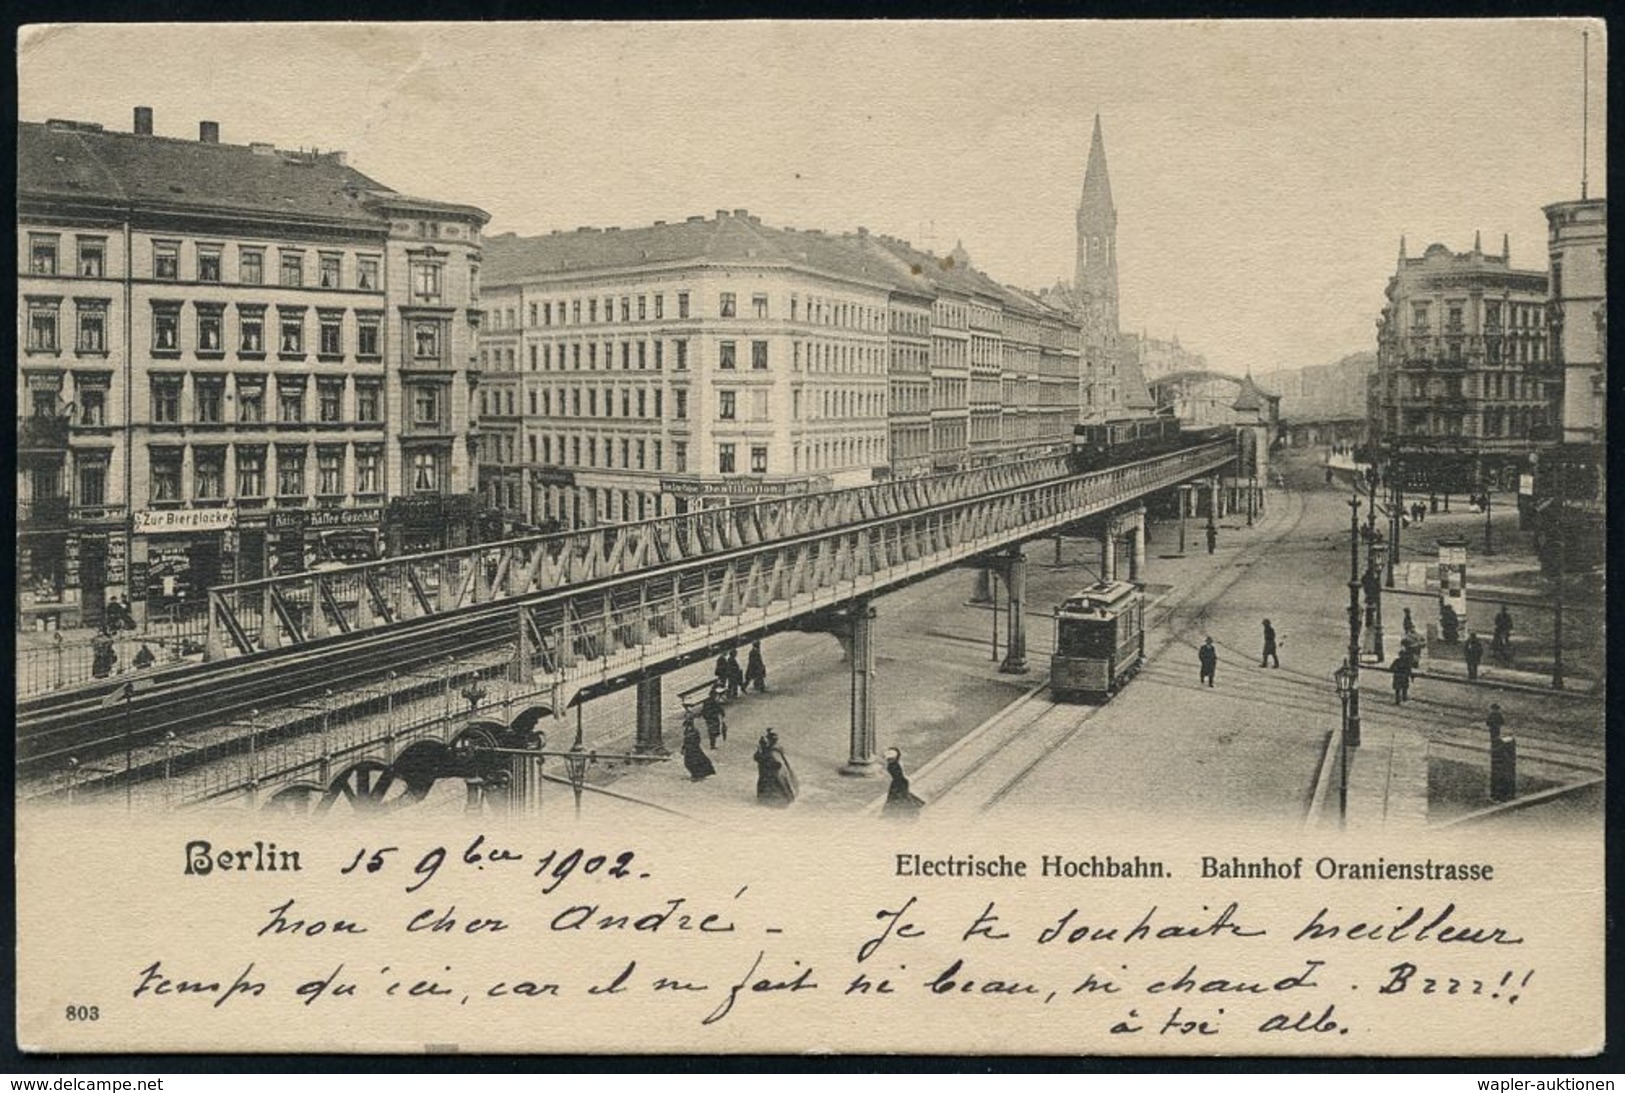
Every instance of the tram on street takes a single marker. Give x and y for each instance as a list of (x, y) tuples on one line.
[(1099, 641)]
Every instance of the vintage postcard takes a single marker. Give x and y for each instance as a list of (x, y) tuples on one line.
[(1071, 538)]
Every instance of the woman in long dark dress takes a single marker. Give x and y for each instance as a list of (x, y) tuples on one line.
[(694, 758), (775, 782), (899, 801)]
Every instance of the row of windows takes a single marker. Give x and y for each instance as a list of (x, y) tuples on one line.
[(1497, 313), (209, 330), (646, 307), (247, 400), (588, 452), (209, 262), (257, 467)]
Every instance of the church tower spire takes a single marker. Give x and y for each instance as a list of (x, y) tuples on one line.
[(1096, 280)]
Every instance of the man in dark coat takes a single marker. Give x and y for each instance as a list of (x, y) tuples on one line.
[(1209, 657), (1496, 722), (1212, 538), (736, 675), (144, 658), (756, 669), (1474, 651), (1501, 641), (716, 722), (1402, 678), (722, 669), (1269, 647)]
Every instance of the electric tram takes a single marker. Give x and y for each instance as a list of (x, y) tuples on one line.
[(1099, 641)]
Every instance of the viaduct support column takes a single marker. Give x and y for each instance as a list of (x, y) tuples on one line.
[(649, 741), (1108, 551), (860, 625), (1015, 580), (524, 781), (1136, 561)]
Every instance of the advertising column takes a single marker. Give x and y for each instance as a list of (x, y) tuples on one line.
[(1452, 589)]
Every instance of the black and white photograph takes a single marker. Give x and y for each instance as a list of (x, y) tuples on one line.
[(1134, 467)]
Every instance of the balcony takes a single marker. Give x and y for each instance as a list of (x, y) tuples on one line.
[(42, 514), (43, 433)]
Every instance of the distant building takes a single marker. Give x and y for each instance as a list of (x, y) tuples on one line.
[(1161, 356), (1466, 389), (1325, 404), (233, 358)]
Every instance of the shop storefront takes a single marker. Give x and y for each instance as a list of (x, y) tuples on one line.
[(177, 555), (415, 525)]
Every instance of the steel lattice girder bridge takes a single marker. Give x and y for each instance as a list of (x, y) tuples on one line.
[(602, 636), (292, 610), (596, 633)]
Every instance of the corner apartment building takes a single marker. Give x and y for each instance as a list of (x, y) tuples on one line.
[(1465, 388), (233, 358), (638, 372)]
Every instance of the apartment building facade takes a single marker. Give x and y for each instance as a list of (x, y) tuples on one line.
[(220, 348), (640, 372), (1465, 388)]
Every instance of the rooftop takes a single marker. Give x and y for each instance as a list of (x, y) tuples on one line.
[(80, 161)]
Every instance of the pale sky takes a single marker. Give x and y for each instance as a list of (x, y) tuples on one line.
[(1263, 172)]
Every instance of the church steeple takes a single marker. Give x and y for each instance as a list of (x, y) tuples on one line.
[(1096, 280)]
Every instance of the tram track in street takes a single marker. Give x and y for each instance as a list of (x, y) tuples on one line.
[(1045, 732)]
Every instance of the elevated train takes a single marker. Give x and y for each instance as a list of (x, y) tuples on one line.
[(1105, 444)]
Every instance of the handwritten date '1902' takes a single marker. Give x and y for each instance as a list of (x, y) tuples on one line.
[(553, 866)]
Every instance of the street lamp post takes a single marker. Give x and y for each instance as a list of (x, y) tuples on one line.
[(1347, 678), (1487, 550), (1396, 494), (1373, 586), (1557, 613), (1351, 736)]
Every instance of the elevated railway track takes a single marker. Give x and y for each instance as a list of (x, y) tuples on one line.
[(637, 619)]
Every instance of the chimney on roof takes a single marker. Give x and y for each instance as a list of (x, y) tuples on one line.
[(208, 132), (660, 223), (743, 214), (696, 220), (863, 232), (722, 214), (143, 121), (262, 148)]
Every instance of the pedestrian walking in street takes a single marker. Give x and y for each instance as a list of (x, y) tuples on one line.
[(1409, 625), (694, 758), (736, 675), (775, 782), (144, 658), (899, 800), (1501, 640), (1269, 647), (1212, 538), (722, 670), (756, 669), (1402, 678), (716, 722), (1474, 651), (103, 657), (1209, 658), (1496, 722)]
